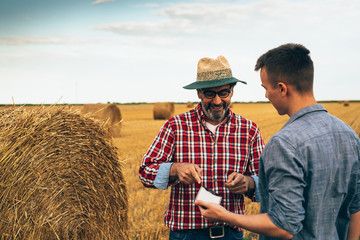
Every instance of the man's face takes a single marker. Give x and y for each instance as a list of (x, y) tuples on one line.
[(215, 107), (273, 93)]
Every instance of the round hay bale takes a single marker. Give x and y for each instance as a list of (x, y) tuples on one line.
[(108, 113), (189, 104), (60, 177), (163, 110), (346, 103)]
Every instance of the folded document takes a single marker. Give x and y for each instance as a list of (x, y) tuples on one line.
[(207, 196)]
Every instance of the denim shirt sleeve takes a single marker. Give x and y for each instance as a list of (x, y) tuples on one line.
[(285, 177), (257, 193), (162, 177)]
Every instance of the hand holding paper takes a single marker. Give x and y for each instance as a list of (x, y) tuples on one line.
[(207, 196), (209, 204)]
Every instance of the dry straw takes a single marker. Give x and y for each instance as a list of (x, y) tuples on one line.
[(60, 177), (109, 113), (163, 110)]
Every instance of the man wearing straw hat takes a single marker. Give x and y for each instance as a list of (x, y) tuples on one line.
[(209, 147)]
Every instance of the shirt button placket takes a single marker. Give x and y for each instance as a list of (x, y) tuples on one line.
[(215, 165)]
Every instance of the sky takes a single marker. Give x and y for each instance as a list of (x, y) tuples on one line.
[(123, 51)]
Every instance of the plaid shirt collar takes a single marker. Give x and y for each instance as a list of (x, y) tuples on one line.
[(201, 116)]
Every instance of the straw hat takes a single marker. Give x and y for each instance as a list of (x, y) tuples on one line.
[(213, 73)]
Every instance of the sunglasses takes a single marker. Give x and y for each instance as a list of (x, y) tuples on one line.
[(212, 94)]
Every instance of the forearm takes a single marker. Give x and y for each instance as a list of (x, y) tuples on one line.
[(251, 186), (354, 227), (259, 223), (173, 174)]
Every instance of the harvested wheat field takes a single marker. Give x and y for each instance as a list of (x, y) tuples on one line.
[(147, 206)]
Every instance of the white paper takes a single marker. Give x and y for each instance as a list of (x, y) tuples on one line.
[(207, 196)]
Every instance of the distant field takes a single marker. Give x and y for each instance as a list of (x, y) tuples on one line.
[(147, 206)]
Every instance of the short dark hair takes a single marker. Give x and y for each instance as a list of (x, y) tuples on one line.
[(291, 63)]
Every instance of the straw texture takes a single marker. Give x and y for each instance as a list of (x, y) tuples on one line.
[(60, 177), (213, 73), (109, 113)]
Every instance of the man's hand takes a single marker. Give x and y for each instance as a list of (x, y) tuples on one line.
[(212, 212), (240, 184), (187, 173)]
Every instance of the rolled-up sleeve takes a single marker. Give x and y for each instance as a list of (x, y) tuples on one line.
[(162, 177), (257, 193), (159, 152)]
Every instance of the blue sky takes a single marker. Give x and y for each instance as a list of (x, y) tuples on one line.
[(89, 51)]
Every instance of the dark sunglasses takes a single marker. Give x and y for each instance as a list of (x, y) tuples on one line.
[(212, 94)]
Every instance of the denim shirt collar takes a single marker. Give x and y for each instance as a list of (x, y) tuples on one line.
[(304, 111)]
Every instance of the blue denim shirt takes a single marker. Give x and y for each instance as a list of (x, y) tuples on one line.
[(309, 176)]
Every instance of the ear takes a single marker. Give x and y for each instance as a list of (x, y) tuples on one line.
[(283, 89)]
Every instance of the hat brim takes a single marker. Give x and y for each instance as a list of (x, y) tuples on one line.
[(212, 83)]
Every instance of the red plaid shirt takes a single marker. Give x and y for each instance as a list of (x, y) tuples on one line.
[(235, 147)]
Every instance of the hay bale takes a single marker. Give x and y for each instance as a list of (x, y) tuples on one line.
[(60, 177), (163, 110), (108, 113), (346, 103), (189, 104)]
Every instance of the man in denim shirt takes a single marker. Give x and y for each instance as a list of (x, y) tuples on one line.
[(309, 181)]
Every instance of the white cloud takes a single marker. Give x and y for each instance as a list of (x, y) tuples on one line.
[(53, 40), (26, 40), (202, 18), (101, 2), (47, 40), (172, 27), (148, 5)]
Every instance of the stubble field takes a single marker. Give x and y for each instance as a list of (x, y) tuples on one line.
[(147, 206)]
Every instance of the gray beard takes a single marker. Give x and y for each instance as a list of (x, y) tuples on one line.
[(217, 115)]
